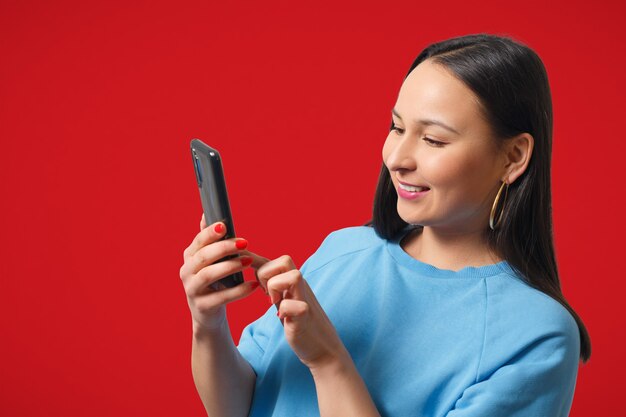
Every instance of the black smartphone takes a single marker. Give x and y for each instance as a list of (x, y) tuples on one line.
[(207, 164)]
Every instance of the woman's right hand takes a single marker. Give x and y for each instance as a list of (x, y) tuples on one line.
[(201, 271)]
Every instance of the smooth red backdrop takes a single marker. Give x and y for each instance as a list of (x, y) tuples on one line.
[(98, 102)]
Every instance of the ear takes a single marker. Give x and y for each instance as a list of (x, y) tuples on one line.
[(517, 153)]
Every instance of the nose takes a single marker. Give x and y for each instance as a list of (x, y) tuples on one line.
[(402, 154)]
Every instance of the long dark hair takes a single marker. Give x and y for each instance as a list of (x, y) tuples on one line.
[(512, 85)]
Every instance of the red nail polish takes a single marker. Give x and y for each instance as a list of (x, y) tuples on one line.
[(254, 285), (278, 313), (219, 228), (241, 244), (245, 261)]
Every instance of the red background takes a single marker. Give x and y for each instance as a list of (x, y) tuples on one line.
[(98, 102)]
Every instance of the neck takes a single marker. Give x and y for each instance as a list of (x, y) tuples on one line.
[(449, 250)]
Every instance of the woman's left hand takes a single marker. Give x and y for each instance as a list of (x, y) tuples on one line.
[(308, 330)]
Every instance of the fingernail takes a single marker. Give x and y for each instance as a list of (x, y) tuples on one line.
[(219, 228), (254, 285), (245, 261), (269, 297), (278, 313), (241, 244)]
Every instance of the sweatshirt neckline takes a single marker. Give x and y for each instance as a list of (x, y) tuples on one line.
[(404, 259)]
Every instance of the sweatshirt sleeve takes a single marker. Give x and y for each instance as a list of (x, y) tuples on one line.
[(528, 372), (256, 336)]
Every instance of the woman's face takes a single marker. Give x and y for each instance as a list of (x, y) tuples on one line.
[(460, 169)]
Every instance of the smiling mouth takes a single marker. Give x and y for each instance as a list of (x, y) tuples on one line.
[(413, 188)]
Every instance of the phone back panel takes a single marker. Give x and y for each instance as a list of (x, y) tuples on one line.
[(212, 187)]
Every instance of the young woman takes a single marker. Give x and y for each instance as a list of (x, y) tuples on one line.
[(447, 303)]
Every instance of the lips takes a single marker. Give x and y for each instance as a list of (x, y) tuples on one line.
[(422, 187)]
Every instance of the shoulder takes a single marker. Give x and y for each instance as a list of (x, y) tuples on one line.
[(527, 306), (343, 242), (353, 238), (529, 359), (524, 322)]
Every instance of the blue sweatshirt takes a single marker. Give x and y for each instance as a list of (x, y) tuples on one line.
[(426, 341)]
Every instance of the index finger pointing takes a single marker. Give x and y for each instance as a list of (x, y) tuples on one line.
[(257, 261)]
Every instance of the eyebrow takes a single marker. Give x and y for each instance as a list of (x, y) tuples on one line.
[(428, 122)]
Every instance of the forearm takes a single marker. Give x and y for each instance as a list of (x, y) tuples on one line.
[(341, 390), (223, 378)]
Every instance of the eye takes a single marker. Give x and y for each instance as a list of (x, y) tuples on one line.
[(433, 142), (397, 129)]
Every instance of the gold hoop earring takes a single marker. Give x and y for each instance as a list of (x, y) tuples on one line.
[(495, 204)]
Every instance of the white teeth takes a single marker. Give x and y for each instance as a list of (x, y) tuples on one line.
[(411, 189)]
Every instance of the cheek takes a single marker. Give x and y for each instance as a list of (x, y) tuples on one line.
[(454, 170)]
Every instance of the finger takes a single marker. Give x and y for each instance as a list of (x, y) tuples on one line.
[(212, 253), (226, 296), (202, 222), (274, 267), (281, 264), (209, 275), (286, 285), (204, 237), (294, 309), (257, 260)]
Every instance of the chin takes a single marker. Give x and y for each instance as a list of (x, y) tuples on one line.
[(413, 220)]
